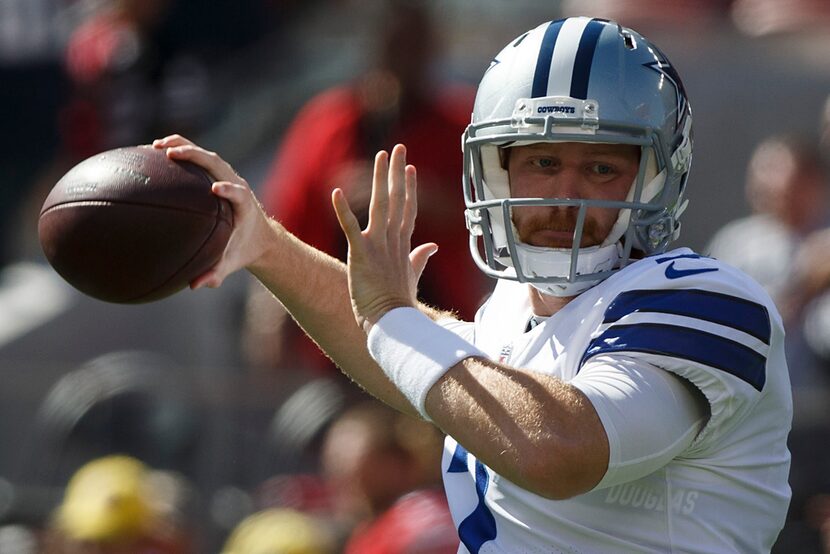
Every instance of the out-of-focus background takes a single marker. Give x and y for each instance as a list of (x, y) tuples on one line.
[(205, 422)]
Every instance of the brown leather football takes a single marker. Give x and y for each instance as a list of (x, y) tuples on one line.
[(130, 225)]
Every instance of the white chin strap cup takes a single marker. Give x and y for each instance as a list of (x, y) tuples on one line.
[(537, 261)]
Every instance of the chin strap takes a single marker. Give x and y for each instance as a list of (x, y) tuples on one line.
[(537, 261)]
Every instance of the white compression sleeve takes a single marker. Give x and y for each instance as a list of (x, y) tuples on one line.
[(649, 414)]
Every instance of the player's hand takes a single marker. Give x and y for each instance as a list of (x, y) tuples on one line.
[(383, 273), (249, 239)]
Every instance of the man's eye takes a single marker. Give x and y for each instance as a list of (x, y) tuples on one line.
[(544, 162), (602, 169)]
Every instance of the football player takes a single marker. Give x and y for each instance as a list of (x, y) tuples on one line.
[(610, 396)]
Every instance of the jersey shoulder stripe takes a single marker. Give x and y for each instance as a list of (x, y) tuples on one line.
[(723, 309), (722, 331), (684, 343)]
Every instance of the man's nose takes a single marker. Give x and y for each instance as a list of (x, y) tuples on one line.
[(566, 183)]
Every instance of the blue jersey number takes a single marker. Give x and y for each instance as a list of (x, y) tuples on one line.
[(480, 526)]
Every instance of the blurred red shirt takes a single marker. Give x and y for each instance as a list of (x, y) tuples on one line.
[(332, 143), (418, 523)]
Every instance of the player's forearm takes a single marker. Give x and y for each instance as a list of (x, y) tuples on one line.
[(535, 430), (313, 287)]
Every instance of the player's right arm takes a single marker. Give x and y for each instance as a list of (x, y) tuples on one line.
[(312, 285)]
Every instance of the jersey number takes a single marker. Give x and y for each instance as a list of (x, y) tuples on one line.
[(480, 526)]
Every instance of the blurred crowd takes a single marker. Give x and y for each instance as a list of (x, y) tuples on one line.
[(207, 422), (783, 243)]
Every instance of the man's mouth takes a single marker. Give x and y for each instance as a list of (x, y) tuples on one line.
[(550, 238)]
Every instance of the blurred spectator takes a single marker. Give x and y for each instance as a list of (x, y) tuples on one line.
[(125, 90), (819, 515), (18, 539), (113, 66), (280, 531), (297, 428), (783, 245), (117, 505), (378, 484), (371, 457), (787, 190), (807, 308), (810, 279), (131, 402), (650, 13), (331, 143), (306, 492), (788, 195), (824, 131), (763, 17), (418, 523)]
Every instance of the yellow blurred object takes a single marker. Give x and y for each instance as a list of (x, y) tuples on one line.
[(279, 531), (105, 501)]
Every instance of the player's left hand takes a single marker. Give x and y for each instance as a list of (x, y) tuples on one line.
[(383, 272)]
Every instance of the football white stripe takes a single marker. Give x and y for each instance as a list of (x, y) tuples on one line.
[(564, 54), (693, 323)]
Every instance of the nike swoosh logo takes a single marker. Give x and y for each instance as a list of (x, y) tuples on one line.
[(672, 273)]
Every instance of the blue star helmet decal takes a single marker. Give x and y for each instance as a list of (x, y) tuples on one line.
[(662, 66)]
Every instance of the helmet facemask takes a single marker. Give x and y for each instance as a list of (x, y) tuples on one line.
[(647, 218)]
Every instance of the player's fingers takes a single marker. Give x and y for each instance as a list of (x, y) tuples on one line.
[(171, 140), (238, 195), (397, 190), (194, 153), (379, 203), (419, 257), (218, 168), (244, 203), (348, 222), (410, 203)]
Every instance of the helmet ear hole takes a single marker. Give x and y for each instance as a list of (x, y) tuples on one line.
[(628, 40)]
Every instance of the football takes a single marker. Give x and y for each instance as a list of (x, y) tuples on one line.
[(131, 225)]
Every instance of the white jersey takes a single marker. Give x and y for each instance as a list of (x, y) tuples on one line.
[(694, 317)]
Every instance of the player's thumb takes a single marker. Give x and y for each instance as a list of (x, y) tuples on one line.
[(420, 256), (212, 278)]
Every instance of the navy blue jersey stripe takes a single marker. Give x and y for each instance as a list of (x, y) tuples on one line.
[(684, 343), (584, 59), (458, 464), (480, 526), (723, 309), (542, 74)]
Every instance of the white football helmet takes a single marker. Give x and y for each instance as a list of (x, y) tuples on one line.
[(583, 80)]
